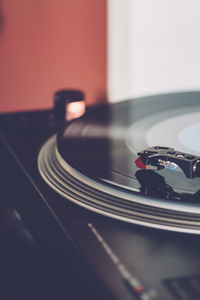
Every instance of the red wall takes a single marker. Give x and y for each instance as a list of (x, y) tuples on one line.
[(46, 45)]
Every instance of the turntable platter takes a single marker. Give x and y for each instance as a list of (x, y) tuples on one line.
[(92, 161)]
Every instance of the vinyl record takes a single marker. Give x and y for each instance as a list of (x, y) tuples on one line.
[(92, 161)]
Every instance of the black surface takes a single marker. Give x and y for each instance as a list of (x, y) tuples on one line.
[(25, 269), (70, 277), (92, 255)]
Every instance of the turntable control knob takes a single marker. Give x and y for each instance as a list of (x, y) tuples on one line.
[(62, 98)]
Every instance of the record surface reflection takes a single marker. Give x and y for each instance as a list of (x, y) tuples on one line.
[(92, 161)]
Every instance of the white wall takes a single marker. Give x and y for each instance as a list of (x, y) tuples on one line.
[(153, 47)]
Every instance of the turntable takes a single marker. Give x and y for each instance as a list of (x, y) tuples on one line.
[(115, 193)]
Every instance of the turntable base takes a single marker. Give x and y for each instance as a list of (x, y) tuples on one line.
[(117, 260)]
